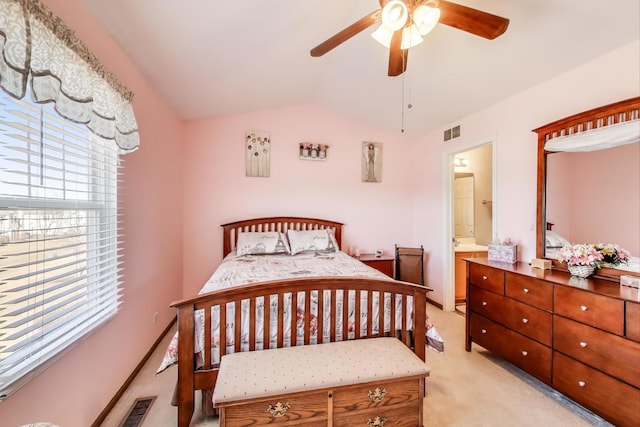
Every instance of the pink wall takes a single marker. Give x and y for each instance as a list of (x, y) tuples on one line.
[(216, 190), (73, 391), (607, 79)]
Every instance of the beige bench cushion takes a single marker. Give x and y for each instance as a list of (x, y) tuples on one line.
[(287, 370)]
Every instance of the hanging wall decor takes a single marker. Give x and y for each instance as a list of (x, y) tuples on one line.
[(371, 161), (313, 151), (258, 153)]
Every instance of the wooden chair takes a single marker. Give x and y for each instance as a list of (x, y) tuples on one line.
[(409, 265)]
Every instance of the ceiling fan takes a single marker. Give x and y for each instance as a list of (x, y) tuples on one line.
[(404, 22)]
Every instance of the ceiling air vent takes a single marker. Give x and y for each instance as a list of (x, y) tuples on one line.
[(449, 134)]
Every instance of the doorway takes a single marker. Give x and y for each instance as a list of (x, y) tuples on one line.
[(469, 196)]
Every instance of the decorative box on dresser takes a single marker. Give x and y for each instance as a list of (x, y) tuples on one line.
[(580, 336)]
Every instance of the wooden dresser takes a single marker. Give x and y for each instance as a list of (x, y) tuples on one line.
[(580, 336), (369, 382)]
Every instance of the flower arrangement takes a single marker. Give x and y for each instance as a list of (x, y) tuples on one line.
[(613, 254), (581, 254)]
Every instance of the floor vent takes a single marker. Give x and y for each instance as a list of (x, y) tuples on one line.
[(138, 412)]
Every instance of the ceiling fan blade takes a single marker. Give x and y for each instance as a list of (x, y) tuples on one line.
[(346, 34), (473, 21), (397, 57)]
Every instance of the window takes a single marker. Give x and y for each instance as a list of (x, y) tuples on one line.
[(59, 261)]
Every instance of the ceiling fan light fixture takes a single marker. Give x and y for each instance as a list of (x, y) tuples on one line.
[(383, 36), (410, 37), (394, 15), (426, 18)]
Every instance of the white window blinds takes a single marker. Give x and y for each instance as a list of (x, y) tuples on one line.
[(59, 261)]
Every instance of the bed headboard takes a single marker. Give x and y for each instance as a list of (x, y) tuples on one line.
[(280, 223)]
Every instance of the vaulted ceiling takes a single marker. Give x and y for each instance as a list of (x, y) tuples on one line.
[(211, 58)]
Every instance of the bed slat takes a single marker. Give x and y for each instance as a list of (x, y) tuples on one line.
[(207, 338), (223, 330), (252, 324), (267, 321), (294, 319)]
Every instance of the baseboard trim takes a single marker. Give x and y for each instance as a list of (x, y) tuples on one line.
[(114, 400), (437, 304)]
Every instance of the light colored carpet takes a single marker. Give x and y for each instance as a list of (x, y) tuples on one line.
[(464, 389)]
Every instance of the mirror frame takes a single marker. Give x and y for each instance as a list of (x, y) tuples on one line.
[(595, 118)]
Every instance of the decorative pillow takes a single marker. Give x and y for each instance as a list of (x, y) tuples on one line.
[(312, 240), (262, 243), (554, 240)]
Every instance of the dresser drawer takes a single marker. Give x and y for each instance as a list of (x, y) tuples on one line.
[(374, 395), (406, 415), (487, 277), (594, 347), (610, 398), (632, 321), (527, 320), (535, 292), (304, 409), (593, 309), (523, 352)]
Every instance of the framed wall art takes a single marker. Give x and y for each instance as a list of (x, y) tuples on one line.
[(258, 153), (371, 161), (313, 151)]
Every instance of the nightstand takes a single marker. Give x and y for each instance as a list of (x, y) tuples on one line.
[(384, 263)]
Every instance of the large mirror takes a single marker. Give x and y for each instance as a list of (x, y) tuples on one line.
[(590, 197), (593, 197)]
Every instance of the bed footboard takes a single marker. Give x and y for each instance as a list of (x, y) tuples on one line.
[(290, 312)]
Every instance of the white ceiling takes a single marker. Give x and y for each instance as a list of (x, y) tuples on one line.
[(210, 58)]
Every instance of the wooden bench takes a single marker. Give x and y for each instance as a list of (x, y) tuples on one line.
[(368, 382)]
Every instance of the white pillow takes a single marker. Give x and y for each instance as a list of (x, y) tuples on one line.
[(262, 243), (554, 240), (312, 241)]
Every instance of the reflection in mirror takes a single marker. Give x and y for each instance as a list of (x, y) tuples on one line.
[(594, 197)]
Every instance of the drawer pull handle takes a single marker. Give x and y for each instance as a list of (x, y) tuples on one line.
[(583, 344), (279, 409), (484, 331), (376, 422), (525, 320), (377, 395), (526, 291), (584, 308), (484, 303), (484, 277), (525, 352), (582, 383)]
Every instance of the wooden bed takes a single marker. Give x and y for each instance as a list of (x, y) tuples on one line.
[(408, 296)]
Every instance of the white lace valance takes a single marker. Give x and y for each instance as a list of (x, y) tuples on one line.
[(597, 139), (37, 46)]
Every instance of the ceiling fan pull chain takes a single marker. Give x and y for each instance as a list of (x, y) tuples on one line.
[(402, 105)]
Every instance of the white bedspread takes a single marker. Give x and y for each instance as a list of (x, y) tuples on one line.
[(237, 271)]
